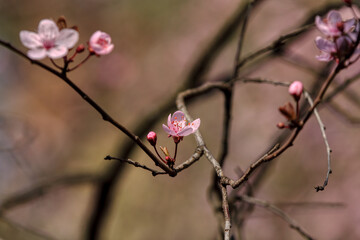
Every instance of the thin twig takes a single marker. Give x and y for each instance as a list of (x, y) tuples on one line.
[(328, 149), (136, 164), (272, 208)]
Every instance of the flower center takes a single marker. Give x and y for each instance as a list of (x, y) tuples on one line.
[(48, 44), (178, 125), (103, 41)]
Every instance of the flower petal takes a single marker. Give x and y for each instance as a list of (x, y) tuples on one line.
[(185, 131), (323, 27), (57, 52), (169, 120), (94, 37), (168, 130), (325, 45), (334, 18), (67, 37), (178, 116), (30, 39), (324, 57), (105, 50), (48, 29), (195, 124), (352, 28), (37, 53)]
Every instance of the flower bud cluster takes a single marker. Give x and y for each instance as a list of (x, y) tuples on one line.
[(288, 110)]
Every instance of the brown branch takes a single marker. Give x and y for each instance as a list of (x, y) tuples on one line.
[(136, 164)]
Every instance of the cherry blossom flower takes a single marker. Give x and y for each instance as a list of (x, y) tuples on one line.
[(177, 125), (332, 26), (341, 36), (295, 89), (100, 43), (333, 50), (49, 41)]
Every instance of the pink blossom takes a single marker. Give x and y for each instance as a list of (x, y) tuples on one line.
[(295, 89), (333, 49), (100, 43), (332, 26), (151, 137), (49, 41), (178, 126), (341, 36)]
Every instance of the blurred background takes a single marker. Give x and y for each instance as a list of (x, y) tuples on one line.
[(50, 137)]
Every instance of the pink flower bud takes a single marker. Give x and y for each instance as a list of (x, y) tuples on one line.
[(80, 48), (296, 89), (151, 137), (281, 125), (100, 43)]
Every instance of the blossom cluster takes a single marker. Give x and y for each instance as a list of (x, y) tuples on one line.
[(341, 37), (50, 41)]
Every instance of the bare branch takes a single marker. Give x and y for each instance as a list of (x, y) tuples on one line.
[(328, 149), (136, 164)]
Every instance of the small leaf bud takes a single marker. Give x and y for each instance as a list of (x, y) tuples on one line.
[(80, 48)]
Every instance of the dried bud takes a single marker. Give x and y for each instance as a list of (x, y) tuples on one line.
[(347, 2), (61, 23), (280, 125), (76, 28), (165, 151), (288, 111), (151, 137), (296, 89), (80, 48)]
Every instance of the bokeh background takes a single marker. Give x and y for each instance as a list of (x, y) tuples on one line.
[(47, 131)]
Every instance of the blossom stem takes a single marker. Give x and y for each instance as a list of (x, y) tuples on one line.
[(73, 56), (81, 63), (297, 110), (176, 148), (55, 64)]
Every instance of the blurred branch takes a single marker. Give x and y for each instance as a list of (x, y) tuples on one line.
[(272, 208), (12, 231), (274, 46), (344, 114), (44, 187)]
